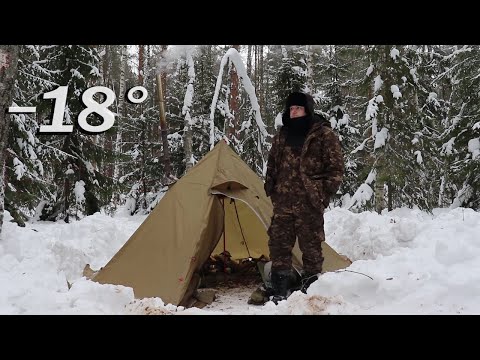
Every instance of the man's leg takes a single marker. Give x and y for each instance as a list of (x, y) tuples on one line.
[(309, 226), (281, 241)]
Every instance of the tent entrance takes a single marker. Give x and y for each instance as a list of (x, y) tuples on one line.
[(233, 264), (244, 234)]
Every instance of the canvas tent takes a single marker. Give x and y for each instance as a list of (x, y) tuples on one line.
[(163, 256)]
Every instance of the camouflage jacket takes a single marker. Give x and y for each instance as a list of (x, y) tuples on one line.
[(321, 163)]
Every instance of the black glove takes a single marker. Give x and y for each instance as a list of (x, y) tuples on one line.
[(268, 187)]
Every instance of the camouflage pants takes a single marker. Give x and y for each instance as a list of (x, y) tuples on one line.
[(290, 221)]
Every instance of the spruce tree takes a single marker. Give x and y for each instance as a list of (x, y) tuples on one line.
[(27, 184), (81, 188), (461, 143)]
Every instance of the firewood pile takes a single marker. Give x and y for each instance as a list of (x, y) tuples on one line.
[(222, 270)]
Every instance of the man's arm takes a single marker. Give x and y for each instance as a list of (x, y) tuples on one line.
[(334, 163), (270, 175)]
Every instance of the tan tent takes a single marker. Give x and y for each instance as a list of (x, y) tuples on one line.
[(171, 245)]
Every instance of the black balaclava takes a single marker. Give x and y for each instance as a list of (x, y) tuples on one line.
[(298, 127)]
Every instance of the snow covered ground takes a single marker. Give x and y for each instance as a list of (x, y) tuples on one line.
[(404, 262)]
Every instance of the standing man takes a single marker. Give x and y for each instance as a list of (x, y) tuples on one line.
[(305, 168)]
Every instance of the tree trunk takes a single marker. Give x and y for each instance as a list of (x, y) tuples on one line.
[(106, 140), (163, 124), (143, 135), (187, 136), (233, 101), (121, 101), (390, 195), (106, 66), (156, 152), (268, 114), (379, 196), (249, 62), (255, 71), (309, 81), (8, 73), (66, 203), (261, 82), (99, 139), (141, 58)]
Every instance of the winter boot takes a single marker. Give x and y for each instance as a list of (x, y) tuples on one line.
[(280, 282), (307, 279)]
